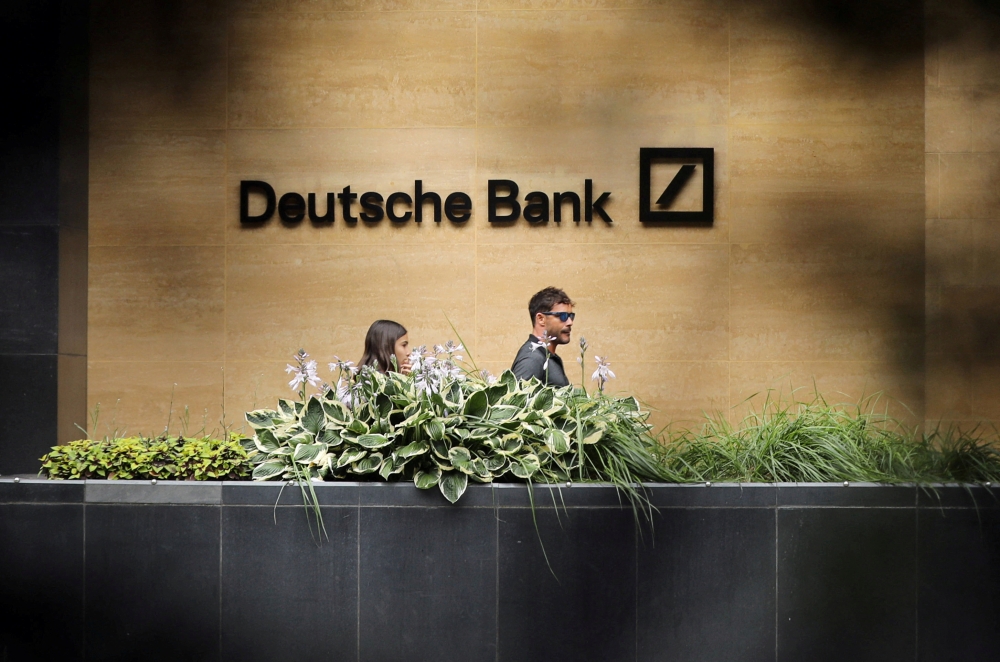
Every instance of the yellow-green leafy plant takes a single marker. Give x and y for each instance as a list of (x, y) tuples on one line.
[(163, 458)]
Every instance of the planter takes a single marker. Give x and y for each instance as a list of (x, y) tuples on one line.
[(130, 570)]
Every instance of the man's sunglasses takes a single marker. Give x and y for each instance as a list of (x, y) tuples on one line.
[(563, 316)]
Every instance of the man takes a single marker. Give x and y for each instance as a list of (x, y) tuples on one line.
[(552, 319)]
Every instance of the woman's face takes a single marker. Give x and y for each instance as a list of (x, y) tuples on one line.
[(402, 352)]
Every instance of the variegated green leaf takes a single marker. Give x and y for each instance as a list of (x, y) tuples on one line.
[(265, 441), (268, 470), (306, 453), (503, 413), (557, 441), (373, 440), (594, 436), (336, 411), (288, 409), (367, 465), (260, 419), (358, 426), (313, 417), (412, 449), (440, 448), (476, 406), (460, 457), (453, 484), (435, 429), (350, 455), (425, 480)]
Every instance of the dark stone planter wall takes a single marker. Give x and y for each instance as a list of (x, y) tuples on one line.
[(179, 571)]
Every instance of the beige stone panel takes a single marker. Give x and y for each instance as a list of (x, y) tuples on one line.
[(932, 184), (970, 185), (142, 397), (324, 298), (986, 240), (322, 6), (160, 303), (963, 119), (827, 303), (962, 323), (827, 185), (986, 390), (782, 73), (376, 69), (969, 55), (604, 68), (951, 252), (634, 302), (322, 161), (556, 159), (499, 5), (879, 387), (158, 65), (949, 390), (932, 61), (157, 188)]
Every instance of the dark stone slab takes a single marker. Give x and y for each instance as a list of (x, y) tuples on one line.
[(285, 596), (378, 493), (152, 576), (29, 298), (959, 579), (27, 411), (958, 496), (561, 495), (31, 489), (282, 494), (584, 608), (865, 495), (706, 586), (428, 584), (846, 584), (146, 491), (41, 582), (718, 495)]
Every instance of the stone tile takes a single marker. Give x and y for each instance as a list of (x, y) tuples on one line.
[(829, 185), (151, 572), (157, 188), (963, 119), (319, 70), (968, 185), (28, 412), (932, 183), (148, 397), (41, 550), (447, 577), (158, 66), (958, 585), (161, 303), (281, 298), (827, 303), (706, 587), (783, 72), (29, 257), (587, 69), (261, 618), (846, 584), (583, 608)]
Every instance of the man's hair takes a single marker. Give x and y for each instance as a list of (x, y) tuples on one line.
[(543, 301)]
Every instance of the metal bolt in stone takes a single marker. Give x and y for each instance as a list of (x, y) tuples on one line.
[(988, 483), (846, 483), (152, 482), (17, 480), (708, 483), (568, 483)]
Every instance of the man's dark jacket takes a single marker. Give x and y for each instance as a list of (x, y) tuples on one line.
[(530, 362)]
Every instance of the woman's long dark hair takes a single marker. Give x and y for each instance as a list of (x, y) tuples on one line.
[(380, 344)]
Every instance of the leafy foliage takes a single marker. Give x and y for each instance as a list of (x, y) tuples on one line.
[(163, 458), (817, 442), (460, 428)]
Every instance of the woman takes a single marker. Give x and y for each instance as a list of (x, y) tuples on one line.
[(387, 339)]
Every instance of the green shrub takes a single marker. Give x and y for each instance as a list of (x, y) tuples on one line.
[(163, 458), (818, 442)]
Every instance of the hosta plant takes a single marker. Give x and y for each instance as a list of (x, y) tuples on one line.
[(445, 429)]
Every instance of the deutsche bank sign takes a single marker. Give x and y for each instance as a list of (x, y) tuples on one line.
[(678, 165)]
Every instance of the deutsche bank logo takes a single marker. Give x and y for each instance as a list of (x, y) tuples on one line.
[(671, 170)]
